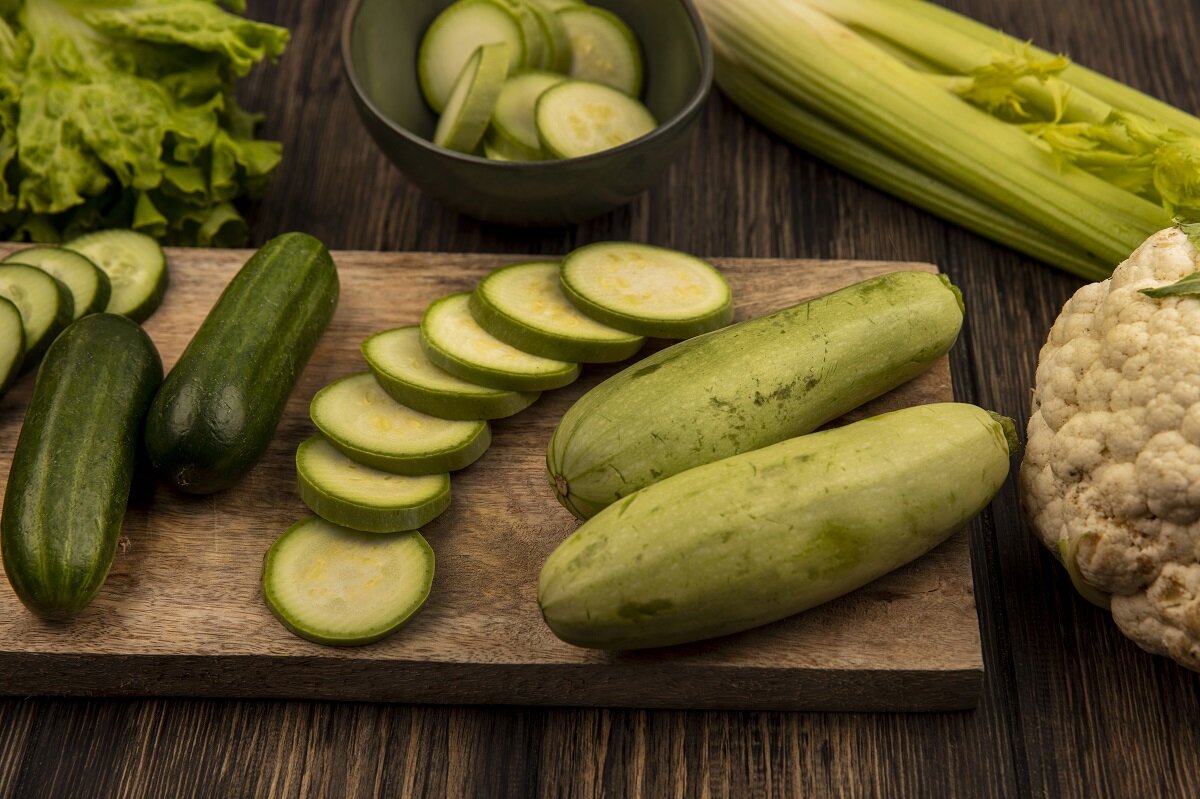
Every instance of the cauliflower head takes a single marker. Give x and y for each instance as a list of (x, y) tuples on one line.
[(1111, 472)]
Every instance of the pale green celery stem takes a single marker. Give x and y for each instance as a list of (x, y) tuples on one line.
[(847, 152), (820, 63), (930, 23)]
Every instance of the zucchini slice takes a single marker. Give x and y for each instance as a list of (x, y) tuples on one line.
[(44, 304), (603, 49), (454, 341), (361, 420), (455, 35), (514, 129), (345, 492), (469, 107), (403, 371), (89, 287), (135, 265), (558, 41), (524, 305), (577, 118), (12, 343), (650, 291), (333, 585)]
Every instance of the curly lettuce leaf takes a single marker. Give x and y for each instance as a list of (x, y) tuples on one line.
[(115, 112)]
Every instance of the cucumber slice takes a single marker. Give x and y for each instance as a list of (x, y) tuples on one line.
[(89, 287), (577, 118), (603, 49), (454, 341), (558, 41), (514, 129), (469, 108), (342, 587), (135, 266), (524, 305), (12, 343), (44, 304), (651, 291), (345, 492), (403, 371), (361, 420), (455, 35)]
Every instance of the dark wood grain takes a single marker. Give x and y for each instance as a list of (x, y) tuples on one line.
[(1070, 708)]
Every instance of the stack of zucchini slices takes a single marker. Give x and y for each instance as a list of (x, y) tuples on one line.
[(390, 436), (43, 289), (532, 80)]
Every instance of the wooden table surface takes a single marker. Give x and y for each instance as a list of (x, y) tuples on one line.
[(1069, 707)]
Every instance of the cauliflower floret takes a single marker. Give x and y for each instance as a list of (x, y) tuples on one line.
[(1111, 473)]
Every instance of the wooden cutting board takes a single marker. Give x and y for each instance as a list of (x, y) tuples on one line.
[(182, 614)]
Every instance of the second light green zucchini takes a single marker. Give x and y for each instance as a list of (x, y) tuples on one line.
[(750, 385), (759, 536)]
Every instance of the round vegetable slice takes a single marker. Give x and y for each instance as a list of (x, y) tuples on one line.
[(342, 587), (469, 108), (361, 420), (404, 371), (558, 41), (88, 285), (455, 35), (345, 492), (454, 341), (44, 304), (650, 291), (524, 305), (577, 118), (537, 49), (603, 49), (513, 120), (135, 265), (12, 343)]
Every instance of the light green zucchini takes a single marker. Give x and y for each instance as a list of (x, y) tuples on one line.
[(756, 537), (749, 385)]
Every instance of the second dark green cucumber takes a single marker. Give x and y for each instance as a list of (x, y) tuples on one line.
[(219, 406)]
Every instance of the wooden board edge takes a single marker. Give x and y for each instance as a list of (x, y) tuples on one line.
[(575, 685)]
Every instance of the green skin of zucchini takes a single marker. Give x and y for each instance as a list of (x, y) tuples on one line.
[(215, 414), (74, 463), (759, 536), (749, 385)]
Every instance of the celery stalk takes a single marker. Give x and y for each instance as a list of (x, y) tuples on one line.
[(817, 62), (845, 151)]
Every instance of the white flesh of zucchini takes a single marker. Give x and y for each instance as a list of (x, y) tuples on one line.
[(342, 587), (577, 118), (603, 49), (457, 33), (473, 99), (513, 118)]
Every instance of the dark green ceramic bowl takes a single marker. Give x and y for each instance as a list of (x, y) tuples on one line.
[(379, 52)]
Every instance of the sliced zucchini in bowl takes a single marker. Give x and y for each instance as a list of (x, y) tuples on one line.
[(403, 371), (457, 33), (578, 118), (469, 107), (603, 49), (360, 419)]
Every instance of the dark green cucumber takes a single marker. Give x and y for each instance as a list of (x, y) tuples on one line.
[(750, 385), (219, 406), (74, 463)]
